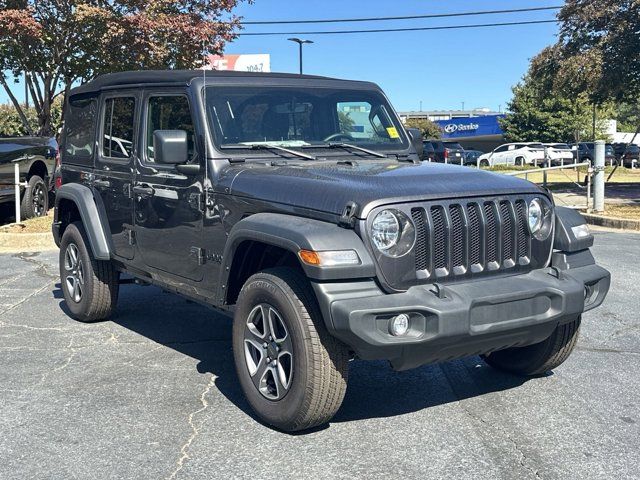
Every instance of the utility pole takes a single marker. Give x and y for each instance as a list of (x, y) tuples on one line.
[(300, 42)]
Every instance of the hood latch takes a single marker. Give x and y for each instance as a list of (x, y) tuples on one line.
[(348, 217)]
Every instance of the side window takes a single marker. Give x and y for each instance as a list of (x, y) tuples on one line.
[(80, 128), (502, 148), (117, 127), (170, 112)]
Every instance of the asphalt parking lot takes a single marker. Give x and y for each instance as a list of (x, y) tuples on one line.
[(153, 394)]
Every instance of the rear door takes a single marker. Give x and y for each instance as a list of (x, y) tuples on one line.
[(168, 204), (114, 166)]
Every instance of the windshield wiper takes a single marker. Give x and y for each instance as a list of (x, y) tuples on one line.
[(263, 146), (347, 145)]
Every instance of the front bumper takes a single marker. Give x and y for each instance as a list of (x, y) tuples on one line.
[(459, 320)]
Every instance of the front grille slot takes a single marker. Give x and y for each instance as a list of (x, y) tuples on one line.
[(491, 232), (440, 238), (453, 239)]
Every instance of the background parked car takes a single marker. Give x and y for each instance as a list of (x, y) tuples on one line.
[(471, 157), (585, 151), (428, 153), (35, 157), (447, 152), (514, 154), (627, 153), (560, 153)]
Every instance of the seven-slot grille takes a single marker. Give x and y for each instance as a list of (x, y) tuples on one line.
[(471, 236)]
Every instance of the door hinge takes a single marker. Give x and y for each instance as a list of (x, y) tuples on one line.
[(197, 201), (348, 217), (197, 254), (131, 236)]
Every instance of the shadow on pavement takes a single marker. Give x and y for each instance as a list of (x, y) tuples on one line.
[(374, 390)]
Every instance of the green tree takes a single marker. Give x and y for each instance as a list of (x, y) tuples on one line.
[(599, 48), (538, 113), (428, 128), (61, 42), (11, 124)]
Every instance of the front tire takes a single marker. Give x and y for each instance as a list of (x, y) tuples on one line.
[(35, 201), (292, 372), (90, 286), (540, 357)]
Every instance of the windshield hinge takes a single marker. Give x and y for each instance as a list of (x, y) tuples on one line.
[(348, 217)]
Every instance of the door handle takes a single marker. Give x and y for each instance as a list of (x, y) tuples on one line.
[(144, 191), (101, 183)]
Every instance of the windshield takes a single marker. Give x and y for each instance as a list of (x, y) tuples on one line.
[(241, 117)]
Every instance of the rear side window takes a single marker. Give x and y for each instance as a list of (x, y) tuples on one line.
[(117, 128), (169, 113), (80, 128)]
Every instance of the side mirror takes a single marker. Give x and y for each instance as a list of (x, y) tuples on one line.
[(415, 135), (170, 147)]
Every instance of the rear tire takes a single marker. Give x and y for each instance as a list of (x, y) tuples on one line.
[(484, 163), (519, 162), (538, 358), (90, 286), (35, 200), (298, 380)]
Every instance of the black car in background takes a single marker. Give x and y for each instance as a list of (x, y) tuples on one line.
[(585, 151), (471, 157), (627, 152), (447, 152), (35, 157), (428, 152)]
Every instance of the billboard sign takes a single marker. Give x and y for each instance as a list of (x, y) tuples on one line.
[(470, 127), (260, 62)]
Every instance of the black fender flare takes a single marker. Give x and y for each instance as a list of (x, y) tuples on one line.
[(294, 234), (565, 238), (92, 216)]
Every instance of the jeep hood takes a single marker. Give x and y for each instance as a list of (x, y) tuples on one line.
[(329, 186)]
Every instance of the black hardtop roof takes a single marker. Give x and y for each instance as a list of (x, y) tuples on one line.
[(184, 77)]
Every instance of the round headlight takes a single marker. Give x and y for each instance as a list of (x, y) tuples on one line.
[(385, 230), (393, 233), (540, 219), (535, 215)]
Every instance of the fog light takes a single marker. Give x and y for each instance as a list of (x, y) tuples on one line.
[(399, 325)]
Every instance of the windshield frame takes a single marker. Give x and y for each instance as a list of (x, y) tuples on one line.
[(402, 148)]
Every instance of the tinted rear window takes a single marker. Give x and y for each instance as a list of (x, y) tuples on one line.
[(454, 145), (80, 128)]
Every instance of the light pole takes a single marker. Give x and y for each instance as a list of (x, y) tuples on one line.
[(300, 42)]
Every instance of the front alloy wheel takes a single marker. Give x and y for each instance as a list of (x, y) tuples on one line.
[(291, 371), (268, 352)]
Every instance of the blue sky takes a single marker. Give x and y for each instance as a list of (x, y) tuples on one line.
[(440, 68)]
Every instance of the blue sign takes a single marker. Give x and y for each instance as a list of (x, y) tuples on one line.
[(470, 127)]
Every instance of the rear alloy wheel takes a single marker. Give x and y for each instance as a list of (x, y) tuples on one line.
[(540, 357), (90, 287), (35, 201), (292, 372)]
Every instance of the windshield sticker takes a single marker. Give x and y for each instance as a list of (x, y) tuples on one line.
[(393, 133)]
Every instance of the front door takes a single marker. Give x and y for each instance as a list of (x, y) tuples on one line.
[(168, 204), (114, 167)]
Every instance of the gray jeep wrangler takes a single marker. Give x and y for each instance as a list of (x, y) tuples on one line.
[(299, 203)]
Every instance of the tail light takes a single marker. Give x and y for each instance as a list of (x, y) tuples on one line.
[(58, 170), (446, 154)]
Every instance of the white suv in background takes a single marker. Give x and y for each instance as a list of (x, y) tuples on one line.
[(559, 153), (514, 154)]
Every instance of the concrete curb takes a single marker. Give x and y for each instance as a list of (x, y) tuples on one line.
[(26, 242), (612, 222)]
